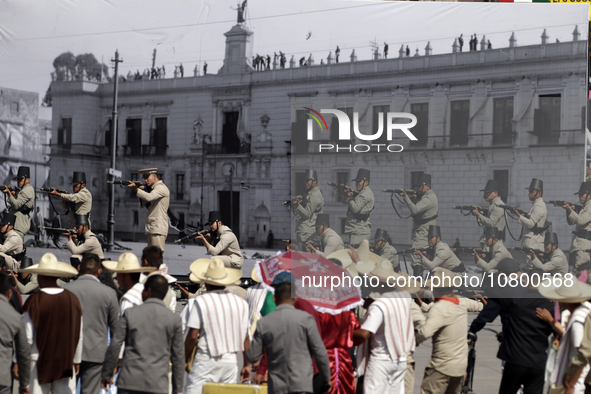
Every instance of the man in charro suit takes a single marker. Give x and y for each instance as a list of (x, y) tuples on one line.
[(159, 199), (21, 203), (358, 224), (307, 209), (79, 202)]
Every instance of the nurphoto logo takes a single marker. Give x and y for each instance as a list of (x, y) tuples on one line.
[(393, 120)]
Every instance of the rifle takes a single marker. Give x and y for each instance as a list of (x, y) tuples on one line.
[(50, 189), (125, 183), (538, 252), (560, 203), (429, 251), (511, 208), (342, 189), (13, 189), (469, 208), (469, 251), (410, 192), (58, 230), (193, 236), (293, 199)]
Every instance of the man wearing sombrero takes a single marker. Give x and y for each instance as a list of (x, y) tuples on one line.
[(158, 199), (54, 323), (218, 325)]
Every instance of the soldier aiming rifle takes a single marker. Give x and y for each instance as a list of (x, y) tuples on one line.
[(443, 256), (12, 250), (562, 204), (205, 232), (498, 251), (225, 246), (20, 201), (307, 209), (330, 241), (77, 203), (359, 207), (581, 240), (83, 241)]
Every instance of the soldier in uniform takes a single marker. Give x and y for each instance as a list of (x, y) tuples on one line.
[(443, 257), (307, 209), (495, 217), (79, 202), (383, 249), (225, 246), (158, 198), (86, 242), (330, 241), (21, 203), (534, 226), (12, 250), (358, 224), (555, 260), (498, 251), (424, 214), (582, 220)]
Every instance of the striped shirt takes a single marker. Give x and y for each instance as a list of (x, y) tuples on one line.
[(222, 320), (255, 297), (389, 320)]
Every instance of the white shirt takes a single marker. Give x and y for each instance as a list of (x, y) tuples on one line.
[(374, 324)]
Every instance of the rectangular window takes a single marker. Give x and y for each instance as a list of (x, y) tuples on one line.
[(343, 178), (64, 135), (230, 140), (15, 107), (547, 119), (299, 133), (421, 130), (180, 186), (379, 112), (334, 124), (460, 119), (158, 136), (136, 217), (502, 124), (134, 137), (502, 178)]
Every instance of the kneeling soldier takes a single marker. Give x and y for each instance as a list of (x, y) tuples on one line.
[(225, 245), (443, 257), (383, 249), (330, 241), (555, 260), (87, 242), (498, 251), (12, 250)]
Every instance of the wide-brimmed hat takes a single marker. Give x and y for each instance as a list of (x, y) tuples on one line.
[(128, 263), (369, 260), (49, 266), (577, 291), (445, 279), (214, 272), (401, 281), (254, 276)]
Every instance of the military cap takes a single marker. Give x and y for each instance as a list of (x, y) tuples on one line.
[(9, 219), (82, 220), (551, 238), (536, 184), (78, 177), (491, 186), (311, 174), (23, 172), (381, 235), (585, 188), (434, 231), (491, 232), (214, 216), (362, 175), (322, 219), (148, 171)]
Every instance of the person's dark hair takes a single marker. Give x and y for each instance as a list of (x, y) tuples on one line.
[(135, 276), (106, 278), (337, 262), (90, 264), (3, 265), (158, 284), (508, 266), (5, 283), (283, 292), (153, 255)]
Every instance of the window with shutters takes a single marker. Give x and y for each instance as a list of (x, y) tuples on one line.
[(502, 121), (421, 130), (460, 119), (547, 119)]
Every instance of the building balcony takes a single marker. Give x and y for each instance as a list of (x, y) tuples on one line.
[(142, 150), (79, 149), (222, 149)]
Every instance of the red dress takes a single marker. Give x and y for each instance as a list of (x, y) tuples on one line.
[(338, 338)]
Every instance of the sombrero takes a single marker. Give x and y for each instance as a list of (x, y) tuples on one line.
[(214, 272), (575, 293), (401, 281), (445, 279), (369, 260), (49, 266), (128, 263)]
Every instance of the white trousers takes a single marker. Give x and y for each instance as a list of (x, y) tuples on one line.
[(223, 369), (385, 377), (61, 386)]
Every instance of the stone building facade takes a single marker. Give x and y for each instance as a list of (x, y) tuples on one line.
[(224, 141)]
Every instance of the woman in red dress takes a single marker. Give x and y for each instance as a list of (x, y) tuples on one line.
[(337, 335)]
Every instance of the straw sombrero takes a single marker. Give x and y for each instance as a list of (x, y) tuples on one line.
[(214, 272), (128, 263), (445, 279), (49, 266), (254, 276), (575, 293), (369, 260), (401, 281)]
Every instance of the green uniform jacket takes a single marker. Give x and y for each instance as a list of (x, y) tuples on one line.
[(388, 252), (307, 212), (79, 204), (424, 214), (24, 200), (359, 212)]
